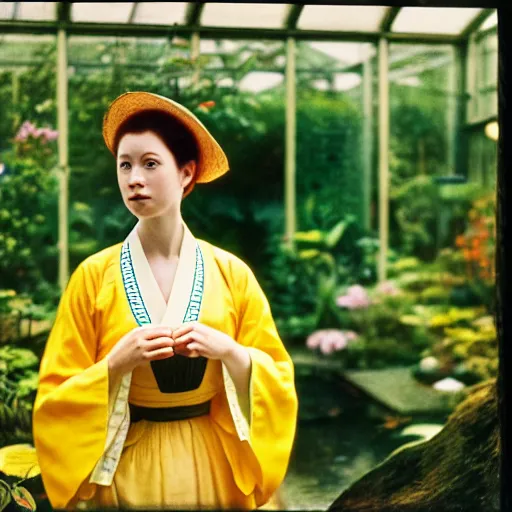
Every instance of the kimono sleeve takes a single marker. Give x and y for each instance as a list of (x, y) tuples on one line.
[(71, 407), (273, 398)]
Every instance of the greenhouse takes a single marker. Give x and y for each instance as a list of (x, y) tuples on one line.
[(361, 193)]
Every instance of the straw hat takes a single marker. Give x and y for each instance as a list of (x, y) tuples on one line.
[(212, 163)]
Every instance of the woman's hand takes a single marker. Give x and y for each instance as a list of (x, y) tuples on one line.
[(140, 345), (194, 339)]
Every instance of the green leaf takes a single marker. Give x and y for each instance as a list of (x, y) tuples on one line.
[(334, 236), (308, 254), (412, 320), (5, 495), (314, 236)]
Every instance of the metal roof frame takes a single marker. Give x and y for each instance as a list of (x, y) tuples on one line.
[(193, 25)]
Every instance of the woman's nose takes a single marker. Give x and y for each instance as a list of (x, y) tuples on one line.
[(136, 178)]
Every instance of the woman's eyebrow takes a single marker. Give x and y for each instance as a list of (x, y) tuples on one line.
[(145, 154)]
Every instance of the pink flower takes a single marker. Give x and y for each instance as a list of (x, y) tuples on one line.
[(48, 134), (388, 288), (52, 135), (28, 129), (355, 298), (330, 340), (314, 339)]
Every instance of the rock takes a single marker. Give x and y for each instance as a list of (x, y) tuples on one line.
[(423, 431), (449, 385), (456, 470), (429, 364)]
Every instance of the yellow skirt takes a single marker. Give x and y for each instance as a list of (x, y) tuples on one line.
[(176, 465)]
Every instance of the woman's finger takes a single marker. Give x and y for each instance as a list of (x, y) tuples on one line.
[(161, 342), (161, 353), (193, 349), (188, 338), (155, 331), (184, 329)]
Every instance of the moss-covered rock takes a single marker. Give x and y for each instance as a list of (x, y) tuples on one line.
[(456, 470)]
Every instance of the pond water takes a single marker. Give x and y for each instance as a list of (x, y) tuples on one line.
[(331, 453)]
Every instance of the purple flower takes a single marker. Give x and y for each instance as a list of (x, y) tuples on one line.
[(355, 298)]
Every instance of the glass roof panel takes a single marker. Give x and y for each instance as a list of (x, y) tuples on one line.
[(348, 18), (6, 10), (37, 11), (439, 20), (490, 22), (244, 15), (101, 12), (160, 13)]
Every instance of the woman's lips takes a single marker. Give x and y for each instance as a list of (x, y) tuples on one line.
[(139, 198)]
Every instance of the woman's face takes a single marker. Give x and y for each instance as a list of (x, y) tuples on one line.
[(149, 178)]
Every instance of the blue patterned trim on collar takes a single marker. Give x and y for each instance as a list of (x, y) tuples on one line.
[(196, 297), (134, 296)]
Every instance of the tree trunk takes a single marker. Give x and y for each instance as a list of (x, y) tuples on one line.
[(457, 470)]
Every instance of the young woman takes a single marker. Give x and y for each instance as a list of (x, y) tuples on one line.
[(164, 383)]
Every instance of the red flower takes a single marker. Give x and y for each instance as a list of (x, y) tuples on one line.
[(207, 104)]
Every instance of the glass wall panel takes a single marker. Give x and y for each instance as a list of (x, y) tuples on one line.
[(483, 77), (329, 132), (483, 108), (423, 113)]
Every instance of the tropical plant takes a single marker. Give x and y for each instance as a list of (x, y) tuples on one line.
[(15, 497), (18, 386), (28, 192)]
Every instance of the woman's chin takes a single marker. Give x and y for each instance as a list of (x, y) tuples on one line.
[(149, 213), (149, 210), (142, 213)]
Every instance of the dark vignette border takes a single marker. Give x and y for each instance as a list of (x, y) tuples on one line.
[(504, 245)]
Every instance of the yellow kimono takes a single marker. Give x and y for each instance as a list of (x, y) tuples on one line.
[(87, 447)]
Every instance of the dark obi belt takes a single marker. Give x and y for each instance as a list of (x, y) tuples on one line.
[(183, 412)]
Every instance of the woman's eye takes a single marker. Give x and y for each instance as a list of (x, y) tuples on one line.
[(125, 166), (151, 164)]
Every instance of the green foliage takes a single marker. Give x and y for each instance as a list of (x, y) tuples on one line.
[(415, 207), (28, 194), (18, 386), (304, 282), (15, 497), (329, 167), (418, 141)]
